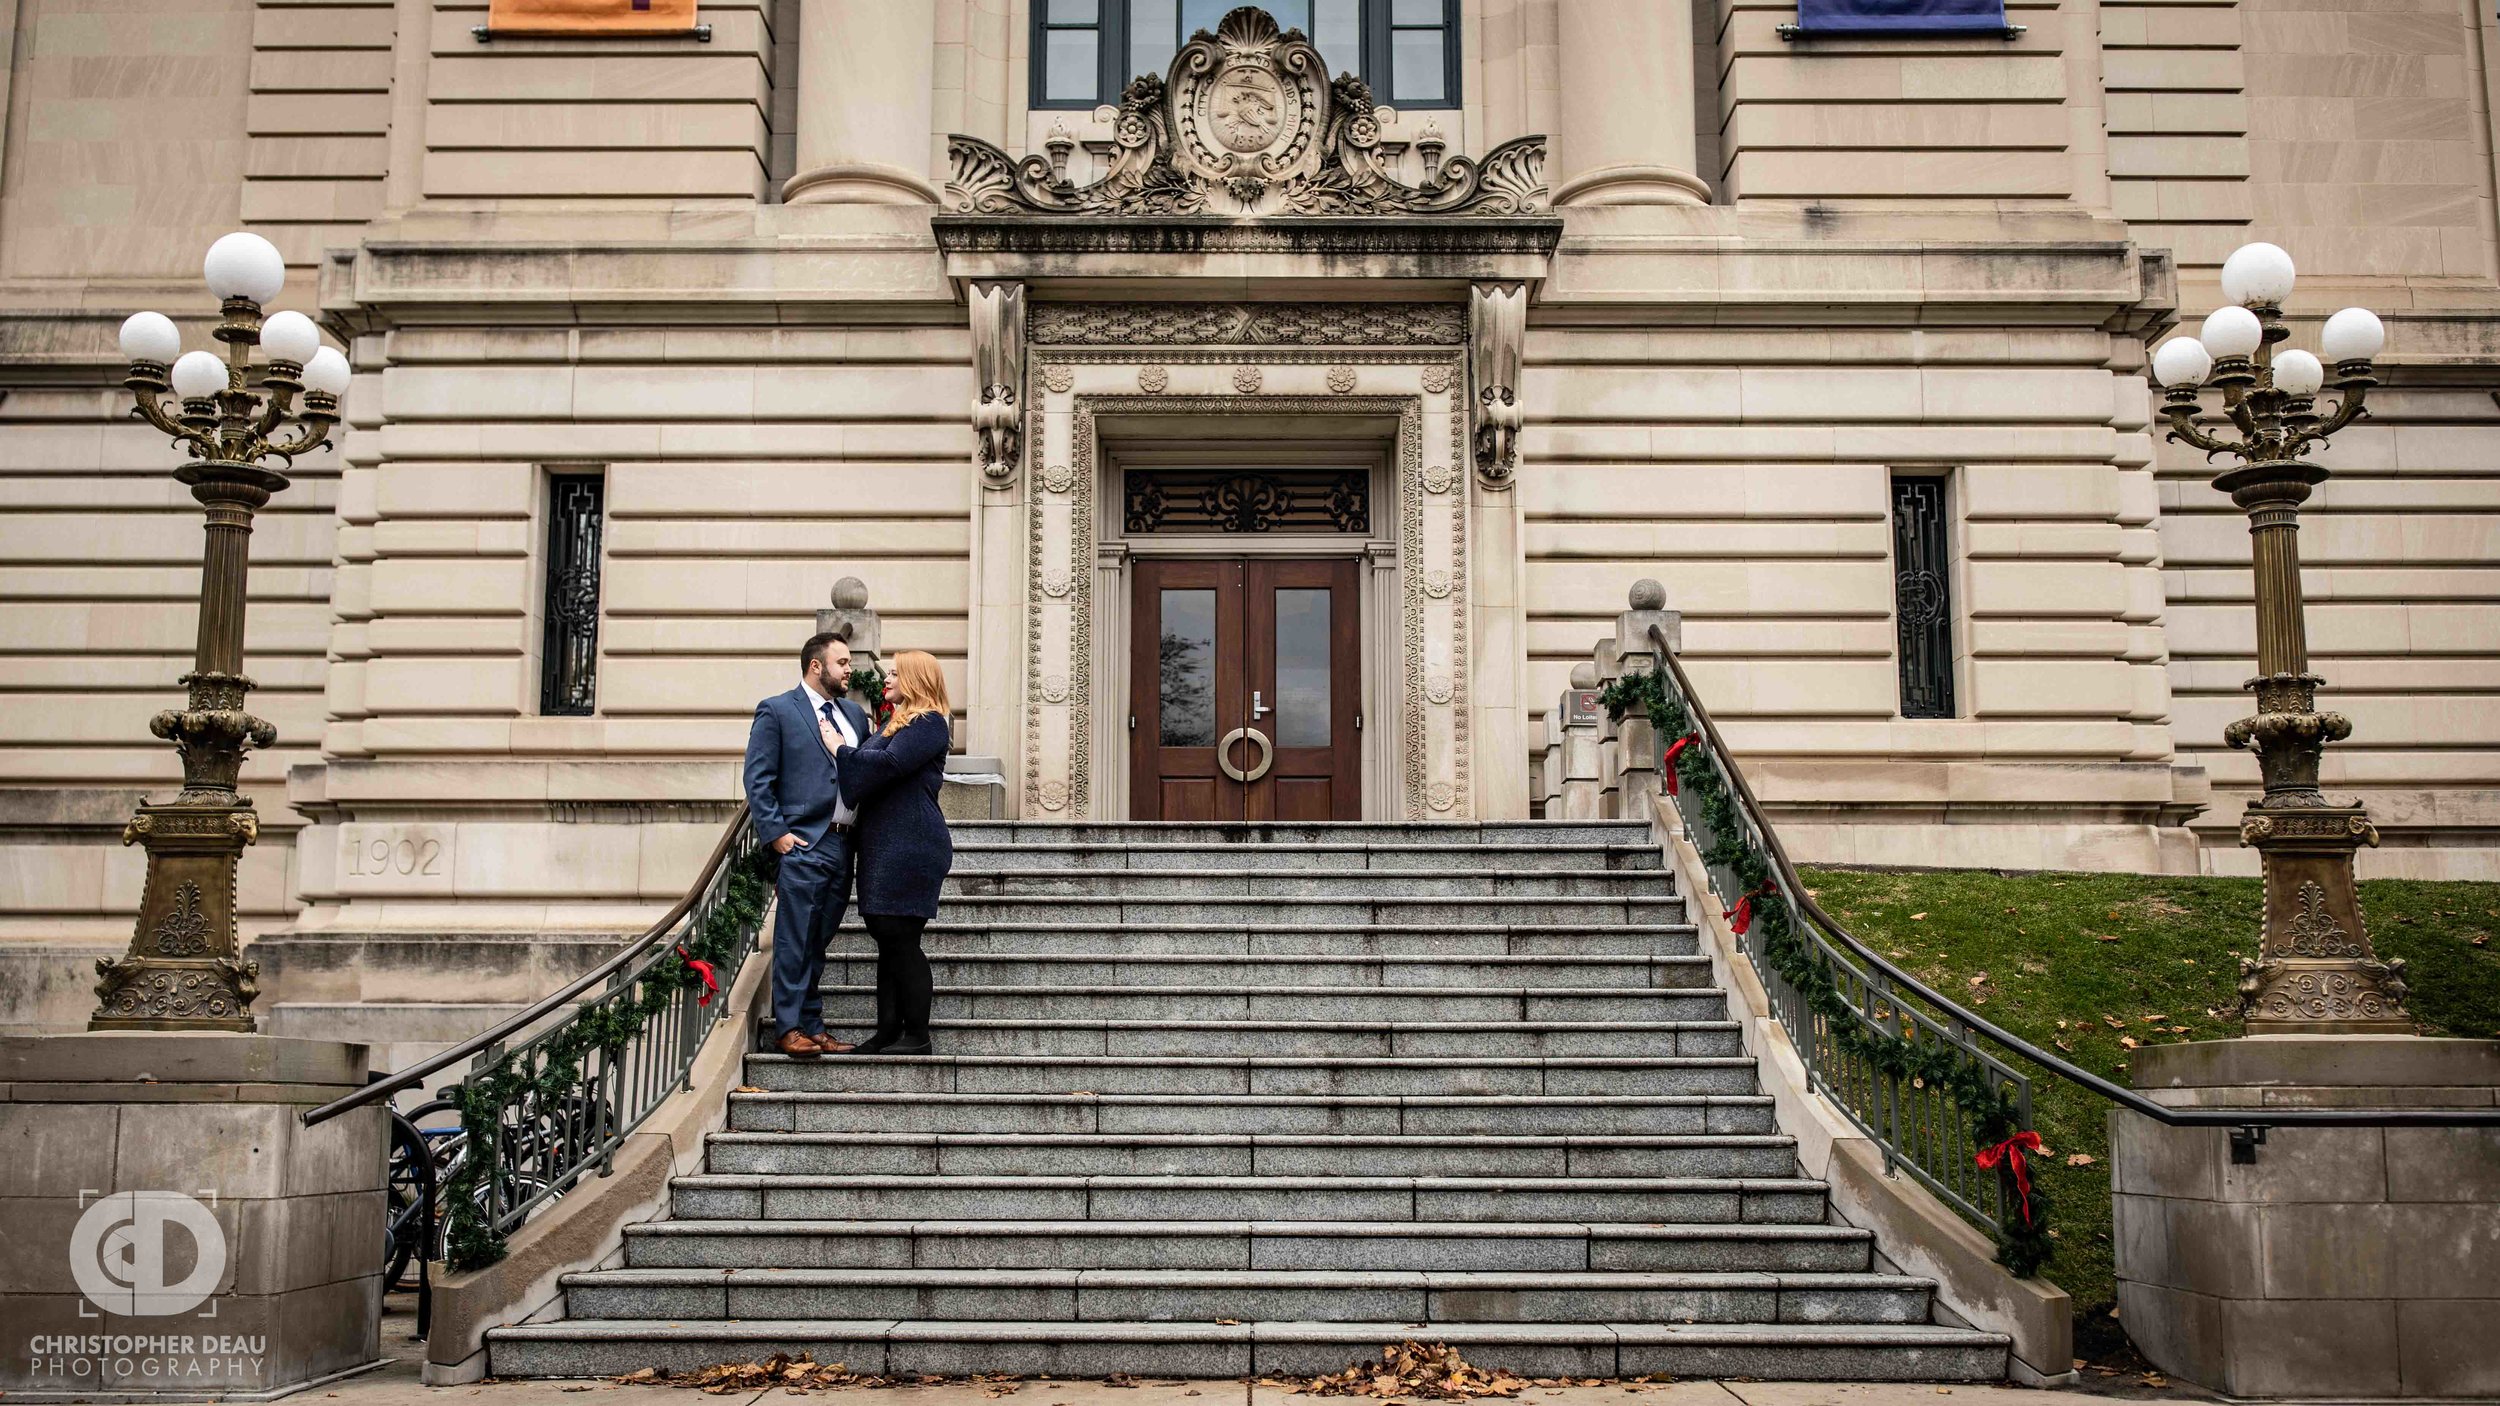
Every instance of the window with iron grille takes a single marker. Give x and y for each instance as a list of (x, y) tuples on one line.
[(576, 517), (1922, 594), (1086, 51)]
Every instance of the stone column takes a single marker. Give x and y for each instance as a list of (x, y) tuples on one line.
[(867, 103), (1626, 135)]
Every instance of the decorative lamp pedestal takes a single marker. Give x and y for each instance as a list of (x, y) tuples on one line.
[(2344, 1264), (173, 1232), (2316, 973)]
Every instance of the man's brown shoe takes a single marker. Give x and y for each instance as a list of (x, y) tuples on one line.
[(797, 1045), (830, 1045)]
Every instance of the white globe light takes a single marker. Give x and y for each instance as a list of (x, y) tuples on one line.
[(290, 336), (150, 336), (244, 265), (2257, 273), (2231, 331), (199, 375), (2355, 334), (327, 372), (2182, 361), (2296, 372)]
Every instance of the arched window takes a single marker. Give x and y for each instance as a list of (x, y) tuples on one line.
[(1086, 51)]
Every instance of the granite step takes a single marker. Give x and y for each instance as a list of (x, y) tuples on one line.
[(977, 855), (1507, 834), (1281, 881), (1249, 1154), (855, 1004), (1547, 1115), (1194, 1295), (1237, 1074), (1384, 1200), (1146, 970), (1339, 1039), (1515, 1247), (1339, 940), (1872, 1352), (1647, 905)]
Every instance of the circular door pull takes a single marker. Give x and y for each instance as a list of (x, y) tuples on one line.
[(1224, 754)]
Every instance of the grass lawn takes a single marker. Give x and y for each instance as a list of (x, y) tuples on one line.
[(2096, 965)]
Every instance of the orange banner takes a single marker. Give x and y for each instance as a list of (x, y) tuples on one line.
[(590, 16)]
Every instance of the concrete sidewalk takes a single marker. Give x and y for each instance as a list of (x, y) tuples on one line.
[(397, 1385)]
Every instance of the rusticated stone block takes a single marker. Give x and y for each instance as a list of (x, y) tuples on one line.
[(2350, 1263)]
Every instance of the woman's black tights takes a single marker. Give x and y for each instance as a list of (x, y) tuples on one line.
[(904, 987)]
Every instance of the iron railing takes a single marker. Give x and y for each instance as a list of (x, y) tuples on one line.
[(598, 1056), (1919, 1128)]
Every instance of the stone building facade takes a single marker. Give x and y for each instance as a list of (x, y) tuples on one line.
[(1841, 339)]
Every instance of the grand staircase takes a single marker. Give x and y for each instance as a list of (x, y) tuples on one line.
[(1214, 1101)]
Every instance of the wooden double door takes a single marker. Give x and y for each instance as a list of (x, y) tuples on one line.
[(1246, 690)]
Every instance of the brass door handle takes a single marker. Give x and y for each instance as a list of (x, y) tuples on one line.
[(1224, 754)]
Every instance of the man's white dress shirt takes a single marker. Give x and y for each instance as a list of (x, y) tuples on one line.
[(842, 812)]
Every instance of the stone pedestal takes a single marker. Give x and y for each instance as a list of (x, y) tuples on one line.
[(173, 1232), (2342, 1263)]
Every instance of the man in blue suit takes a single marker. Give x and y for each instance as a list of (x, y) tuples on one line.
[(799, 812)]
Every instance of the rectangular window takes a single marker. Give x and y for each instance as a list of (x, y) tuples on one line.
[(1922, 594), (1085, 52), (569, 652)]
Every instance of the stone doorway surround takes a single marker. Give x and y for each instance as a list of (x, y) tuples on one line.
[(1444, 558)]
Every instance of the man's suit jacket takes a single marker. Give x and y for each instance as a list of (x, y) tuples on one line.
[(789, 774)]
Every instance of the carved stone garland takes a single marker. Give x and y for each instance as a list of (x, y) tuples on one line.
[(1247, 123)]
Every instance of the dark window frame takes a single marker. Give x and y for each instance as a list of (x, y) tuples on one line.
[(574, 564), (1926, 653), (1112, 45)]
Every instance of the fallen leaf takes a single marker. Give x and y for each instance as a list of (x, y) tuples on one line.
[(2106, 937), (2126, 1042), (2480, 939), (1228, 1322), (1979, 980), (2080, 1159), (1918, 917), (746, 1089)]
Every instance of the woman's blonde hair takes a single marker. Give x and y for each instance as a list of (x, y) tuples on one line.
[(920, 687)]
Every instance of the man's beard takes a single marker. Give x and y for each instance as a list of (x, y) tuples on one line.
[(837, 681)]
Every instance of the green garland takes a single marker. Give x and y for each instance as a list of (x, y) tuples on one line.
[(607, 1023), (868, 691), (2023, 1245)]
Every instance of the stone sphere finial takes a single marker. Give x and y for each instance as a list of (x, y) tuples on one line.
[(850, 593), (1584, 674), (1647, 594)]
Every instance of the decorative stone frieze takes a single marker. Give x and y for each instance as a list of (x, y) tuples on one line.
[(1247, 324), (1247, 123)]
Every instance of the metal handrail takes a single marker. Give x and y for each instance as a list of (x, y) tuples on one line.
[(538, 1118), (2248, 1125), (665, 929)]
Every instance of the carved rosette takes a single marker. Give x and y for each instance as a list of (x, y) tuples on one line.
[(1247, 122)]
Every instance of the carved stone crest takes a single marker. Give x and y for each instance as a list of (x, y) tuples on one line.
[(1247, 122)]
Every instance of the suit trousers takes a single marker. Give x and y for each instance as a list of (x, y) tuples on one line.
[(808, 899)]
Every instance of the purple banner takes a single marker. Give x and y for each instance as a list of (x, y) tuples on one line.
[(1901, 17)]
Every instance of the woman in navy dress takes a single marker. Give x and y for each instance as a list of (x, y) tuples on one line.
[(892, 778)]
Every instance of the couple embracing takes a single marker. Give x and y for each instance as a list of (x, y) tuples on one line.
[(838, 796)]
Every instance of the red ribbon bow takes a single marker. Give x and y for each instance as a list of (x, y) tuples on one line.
[(1676, 749), (2010, 1152), (701, 968), (1740, 917)]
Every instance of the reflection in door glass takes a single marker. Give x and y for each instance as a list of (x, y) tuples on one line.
[(1188, 668), (1302, 668)]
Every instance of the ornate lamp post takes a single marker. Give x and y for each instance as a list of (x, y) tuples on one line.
[(183, 971), (2315, 972)]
